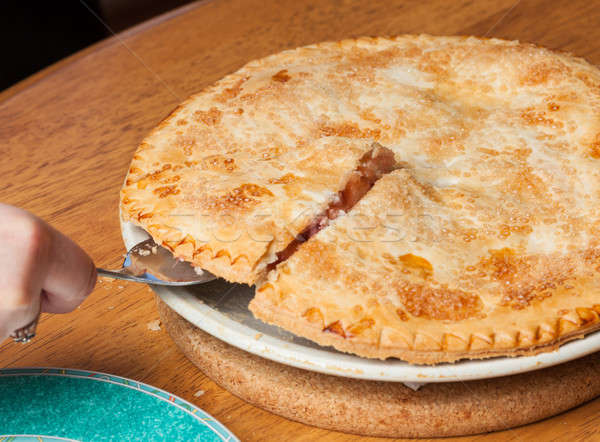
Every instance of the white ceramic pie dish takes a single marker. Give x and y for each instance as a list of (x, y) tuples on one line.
[(221, 309)]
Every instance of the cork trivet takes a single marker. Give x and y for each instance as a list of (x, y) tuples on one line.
[(385, 408)]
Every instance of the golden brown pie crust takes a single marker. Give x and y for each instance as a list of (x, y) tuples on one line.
[(485, 242), (377, 284)]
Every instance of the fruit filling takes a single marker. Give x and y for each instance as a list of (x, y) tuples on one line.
[(371, 166)]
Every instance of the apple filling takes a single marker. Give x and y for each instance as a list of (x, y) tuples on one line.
[(371, 166)]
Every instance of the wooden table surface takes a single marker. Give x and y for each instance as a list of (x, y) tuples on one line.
[(67, 135)]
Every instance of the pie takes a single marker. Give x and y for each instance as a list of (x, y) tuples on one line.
[(419, 197)]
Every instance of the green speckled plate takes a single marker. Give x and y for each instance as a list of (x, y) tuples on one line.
[(52, 404)]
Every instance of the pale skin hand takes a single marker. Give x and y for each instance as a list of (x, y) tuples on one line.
[(39, 267)]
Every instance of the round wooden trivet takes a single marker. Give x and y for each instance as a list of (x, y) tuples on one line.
[(385, 408)]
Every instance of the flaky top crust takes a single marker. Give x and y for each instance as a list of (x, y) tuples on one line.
[(397, 277), (486, 242)]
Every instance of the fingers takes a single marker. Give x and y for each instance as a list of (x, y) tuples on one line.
[(39, 266), (23, 267), (71, 275)]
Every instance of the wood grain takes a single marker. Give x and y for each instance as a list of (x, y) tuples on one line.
[(386, 408), (67, 136)]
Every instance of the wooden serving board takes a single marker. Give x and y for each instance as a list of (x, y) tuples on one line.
[(387, 409)]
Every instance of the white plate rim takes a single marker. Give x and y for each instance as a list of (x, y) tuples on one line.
[(341, 364)]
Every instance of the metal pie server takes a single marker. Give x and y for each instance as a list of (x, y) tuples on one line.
[(145, 262), (150, 263)]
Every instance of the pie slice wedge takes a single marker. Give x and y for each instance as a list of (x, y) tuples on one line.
[(237, 225)]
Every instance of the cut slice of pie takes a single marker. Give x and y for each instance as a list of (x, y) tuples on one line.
[(480, 237), (238, 222)]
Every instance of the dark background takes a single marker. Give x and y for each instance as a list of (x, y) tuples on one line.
[(36, 34)]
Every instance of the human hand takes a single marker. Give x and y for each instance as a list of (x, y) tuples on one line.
[(39, 268)]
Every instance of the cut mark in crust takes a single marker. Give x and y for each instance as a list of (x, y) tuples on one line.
[(371, 167)]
